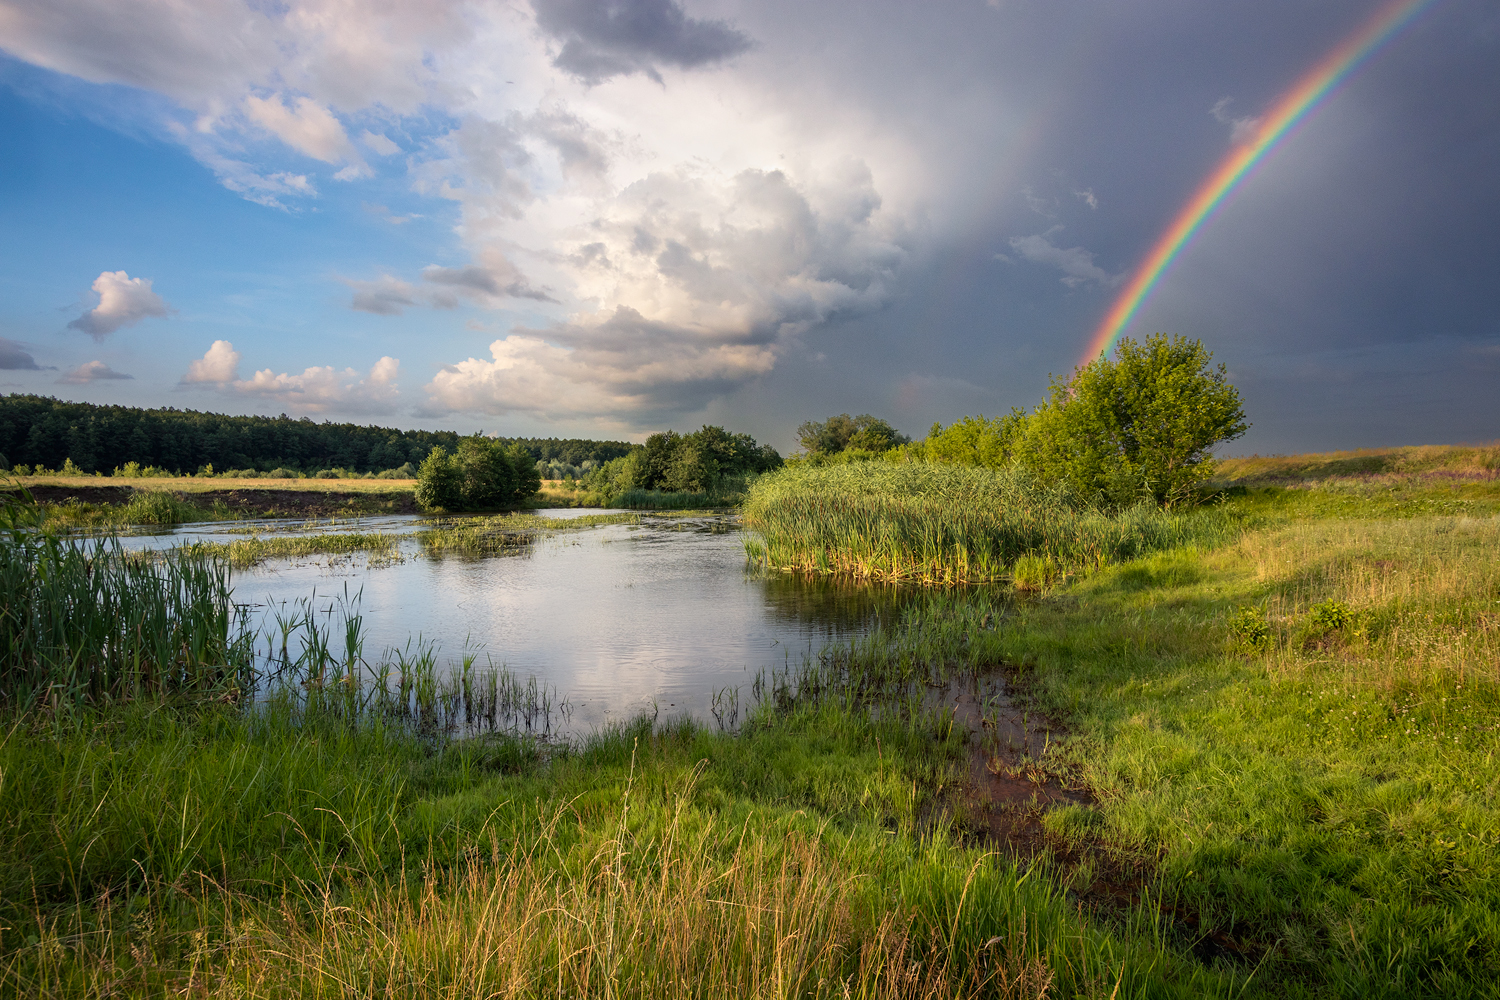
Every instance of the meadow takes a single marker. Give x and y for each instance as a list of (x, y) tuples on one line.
[(1278, 714)]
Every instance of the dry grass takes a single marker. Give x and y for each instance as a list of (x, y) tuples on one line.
[(1421, 593), (1447, 461), (206, 484)]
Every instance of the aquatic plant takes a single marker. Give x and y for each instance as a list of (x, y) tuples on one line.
[(935, 523)]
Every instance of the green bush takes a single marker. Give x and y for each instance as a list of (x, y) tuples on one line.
[(483, 475)]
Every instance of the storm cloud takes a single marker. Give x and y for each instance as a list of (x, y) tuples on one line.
[(605, 38)]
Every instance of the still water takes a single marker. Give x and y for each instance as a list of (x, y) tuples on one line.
[(618, 619)]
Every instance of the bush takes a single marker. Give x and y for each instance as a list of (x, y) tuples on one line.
[(843, 432), (406, 471), (483, 475), (282, 474)]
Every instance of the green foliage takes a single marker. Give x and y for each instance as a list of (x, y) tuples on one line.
[(974, 441), (1249, 628), (842, 433), (1140, 426), (1330, 615), (440, 481), (485, 474), (938, 523), (84, 621), (706, 466)]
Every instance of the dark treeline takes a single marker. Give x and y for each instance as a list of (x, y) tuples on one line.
[(42, 431)]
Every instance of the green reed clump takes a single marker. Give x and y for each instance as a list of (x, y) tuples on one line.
[(82, 620), (478, 537), (145, 507), (947, 524), (245, 552)]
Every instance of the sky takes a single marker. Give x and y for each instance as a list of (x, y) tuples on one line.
[(605, 218)]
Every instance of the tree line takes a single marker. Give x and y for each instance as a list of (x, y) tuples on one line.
[(42, 431)]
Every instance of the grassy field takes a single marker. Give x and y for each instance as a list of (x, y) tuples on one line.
[(1281, 735)]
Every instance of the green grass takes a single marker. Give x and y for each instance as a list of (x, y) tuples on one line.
[(481, 537), (938, 523), (243, 553), (1289, 723)]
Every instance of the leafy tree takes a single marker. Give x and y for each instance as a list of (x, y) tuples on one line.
[(844, 433), (1143, 424), (440, 481), (974, 440), (489, 480)]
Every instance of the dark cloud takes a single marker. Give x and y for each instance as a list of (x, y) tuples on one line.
[(386, 296), (474, 279), (14, 358), (605, 38)]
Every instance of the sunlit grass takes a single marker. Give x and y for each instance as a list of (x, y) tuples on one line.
[(242, 553)]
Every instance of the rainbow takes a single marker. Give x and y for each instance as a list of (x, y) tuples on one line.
[(1290, 108)]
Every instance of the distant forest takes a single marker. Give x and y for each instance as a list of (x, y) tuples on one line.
[(42, 431)]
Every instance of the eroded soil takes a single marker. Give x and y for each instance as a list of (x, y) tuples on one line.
[(1011, 784)]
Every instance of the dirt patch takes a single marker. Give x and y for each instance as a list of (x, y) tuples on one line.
[(84, 494), (305, 503), (1009, 787)]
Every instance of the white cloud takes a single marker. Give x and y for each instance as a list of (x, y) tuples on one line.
[(1089, 198), (123, 301), (317, 390), (323, 389), (221, 363), (309, 128), (378, 143), (1241, 130), (1076, 263), (91, 371)]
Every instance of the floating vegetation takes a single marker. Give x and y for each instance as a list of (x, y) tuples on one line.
[(939, 524), (243, 553), (480, 537)]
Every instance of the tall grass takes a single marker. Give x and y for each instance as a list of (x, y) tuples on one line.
[(949, 524), (82, 621)]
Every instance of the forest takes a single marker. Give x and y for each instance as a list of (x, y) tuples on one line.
[(40, 431)]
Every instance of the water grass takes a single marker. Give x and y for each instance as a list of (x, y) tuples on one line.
[(482, 537), (942, 524), (83, 621), (146, 507), (242, 553)]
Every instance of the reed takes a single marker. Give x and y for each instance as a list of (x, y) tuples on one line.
[(243, 553), (481, 537), (941, 524), (82, 621)]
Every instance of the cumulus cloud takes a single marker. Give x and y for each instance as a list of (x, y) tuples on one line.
[(699, 283), (92, 371), (123, 301), (1076, 263), (619, 37), (13, 357), (1241, 130), (322, 389), (317, 390), (220, 363)]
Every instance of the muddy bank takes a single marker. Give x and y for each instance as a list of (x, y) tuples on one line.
[(1010, 785), (248, 503)]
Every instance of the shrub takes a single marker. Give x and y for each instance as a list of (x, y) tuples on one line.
[(1331, 616), (281, 474)]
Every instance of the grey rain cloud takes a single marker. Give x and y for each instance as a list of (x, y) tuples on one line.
[(14, 358), (475, 279), (605, 38)]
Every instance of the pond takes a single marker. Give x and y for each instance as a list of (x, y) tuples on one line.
[(617, 619)]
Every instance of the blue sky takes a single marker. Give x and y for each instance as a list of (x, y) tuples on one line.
[(607, 217)]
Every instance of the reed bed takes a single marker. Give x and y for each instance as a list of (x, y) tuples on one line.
[(243, 553), (151, 507), (82, 621), (941, 524), (481, 537)]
